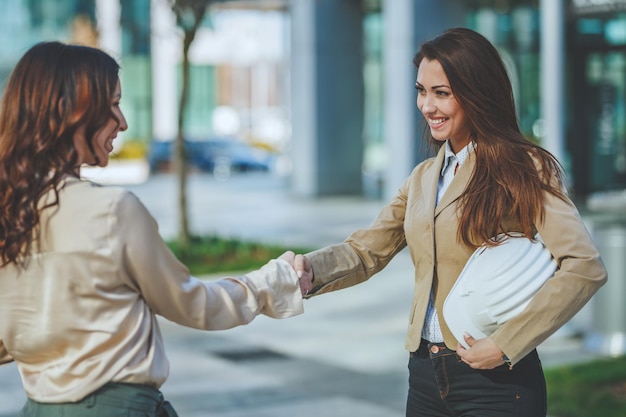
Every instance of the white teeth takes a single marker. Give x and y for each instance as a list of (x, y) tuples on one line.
[(437, 121)]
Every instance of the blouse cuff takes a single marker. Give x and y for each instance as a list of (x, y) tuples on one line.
[(277, 289)]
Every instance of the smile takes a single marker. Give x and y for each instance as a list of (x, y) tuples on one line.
[(437, 122)]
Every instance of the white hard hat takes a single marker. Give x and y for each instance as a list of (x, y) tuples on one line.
[(496, 284)]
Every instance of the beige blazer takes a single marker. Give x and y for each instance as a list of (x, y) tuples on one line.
[(411, 219)]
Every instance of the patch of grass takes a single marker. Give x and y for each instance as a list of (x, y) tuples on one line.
[(594, 389), (214, 254)]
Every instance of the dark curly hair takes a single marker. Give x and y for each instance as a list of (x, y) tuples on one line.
[(53, 90)]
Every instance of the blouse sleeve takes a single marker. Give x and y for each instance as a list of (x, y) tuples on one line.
[(151, 269)]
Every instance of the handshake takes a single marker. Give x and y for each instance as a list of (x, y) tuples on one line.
[(303, 269)]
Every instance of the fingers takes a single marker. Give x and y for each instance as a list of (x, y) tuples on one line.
[(463, 353), (300, 263), (482, 354), (305, 287), (469, 339), (303, 269)]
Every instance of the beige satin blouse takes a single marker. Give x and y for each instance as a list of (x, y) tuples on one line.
[(81, 312)]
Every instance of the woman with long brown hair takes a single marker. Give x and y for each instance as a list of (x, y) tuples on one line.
[(84, 271), (486, 181)]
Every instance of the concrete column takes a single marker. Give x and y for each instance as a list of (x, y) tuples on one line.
[(327, 97), (303, 109), (400, 112), (165, 51), (109, 26), (552, 51)]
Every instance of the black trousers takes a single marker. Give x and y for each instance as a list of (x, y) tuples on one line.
[(440, 385)]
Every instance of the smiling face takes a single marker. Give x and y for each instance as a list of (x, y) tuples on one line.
[(103, 138), (442, 111)]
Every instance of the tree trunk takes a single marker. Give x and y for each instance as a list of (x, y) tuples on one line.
[(189, 16), (181, 154)]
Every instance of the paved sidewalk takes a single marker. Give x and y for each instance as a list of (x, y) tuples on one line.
[(344, 357)]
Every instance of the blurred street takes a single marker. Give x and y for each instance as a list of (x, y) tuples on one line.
[(344, 357)]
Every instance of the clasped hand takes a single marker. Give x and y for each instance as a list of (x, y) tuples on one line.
[(303, 269)]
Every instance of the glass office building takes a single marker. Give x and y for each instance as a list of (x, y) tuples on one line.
[(594, 75), (597, 96), (594, 79), (594, 71)]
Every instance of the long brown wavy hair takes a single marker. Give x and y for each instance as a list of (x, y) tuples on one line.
[(53, 90), (512, 173)]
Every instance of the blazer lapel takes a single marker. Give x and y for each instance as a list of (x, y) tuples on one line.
[(458, 184), (430, 182)]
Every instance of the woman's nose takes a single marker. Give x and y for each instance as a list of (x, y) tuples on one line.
[(123, 125), (426, 105)]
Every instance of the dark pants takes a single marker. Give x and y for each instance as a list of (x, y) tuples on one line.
[(112, 400), (440, 385)]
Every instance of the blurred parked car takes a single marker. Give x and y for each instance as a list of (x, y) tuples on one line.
[(220, 156)]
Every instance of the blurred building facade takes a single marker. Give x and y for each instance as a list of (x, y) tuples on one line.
[(566, 59), (237, 63), (331, 82)]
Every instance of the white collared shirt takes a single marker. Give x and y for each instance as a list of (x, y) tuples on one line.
[(432, 330)]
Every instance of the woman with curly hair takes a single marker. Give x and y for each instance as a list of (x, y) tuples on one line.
[(84, 271)]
